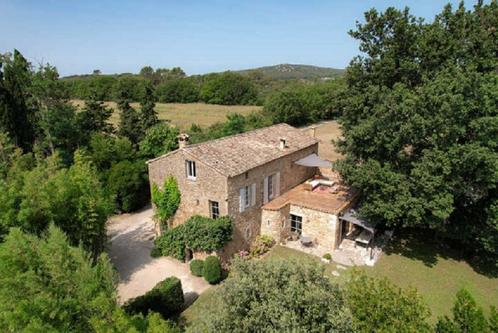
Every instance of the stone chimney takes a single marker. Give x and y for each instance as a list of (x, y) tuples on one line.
[(282, 143), (183, 140), (312, 131)]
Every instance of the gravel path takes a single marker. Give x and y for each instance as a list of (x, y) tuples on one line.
[(131, 237)]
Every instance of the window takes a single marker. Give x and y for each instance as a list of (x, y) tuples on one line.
[(296, 223), (247, 197), (270, 186), (191, 171), (214, 209)]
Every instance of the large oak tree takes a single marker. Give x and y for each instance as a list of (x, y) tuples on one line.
[(421, 122)]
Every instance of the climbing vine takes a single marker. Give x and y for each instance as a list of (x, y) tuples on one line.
[(166, 200)]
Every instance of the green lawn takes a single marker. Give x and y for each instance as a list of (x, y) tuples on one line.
[(200, 306), (437, 273)]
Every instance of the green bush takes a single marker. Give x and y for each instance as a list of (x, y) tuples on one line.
[(377, 305), (261, 245), (172, 243), (212, 270), (128, 182), (198, 233), (197, 267), (206, 234), (327, 256), (165, 298)]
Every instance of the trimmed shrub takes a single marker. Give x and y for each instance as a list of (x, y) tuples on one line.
[(212, 270), (165, 298), (261, 245), (196, 267), (198, 234), (327, 256), (206, 234)]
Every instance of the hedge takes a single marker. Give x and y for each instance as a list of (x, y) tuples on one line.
[(165, 298), (212, 270), (199, 233), (196, 267)]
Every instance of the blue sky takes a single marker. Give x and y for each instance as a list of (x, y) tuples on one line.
[(199, 36)]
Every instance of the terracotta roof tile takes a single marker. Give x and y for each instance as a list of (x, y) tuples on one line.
[(324, 202), (239, 153)]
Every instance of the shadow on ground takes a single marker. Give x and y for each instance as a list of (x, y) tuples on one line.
[(190, 298), (138, 241), (427, 248)]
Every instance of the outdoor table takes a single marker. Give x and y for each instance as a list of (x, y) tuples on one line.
[(364, 237), (306, 241)]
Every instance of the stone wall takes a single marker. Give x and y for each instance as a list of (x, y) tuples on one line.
[(248, 222), (323, 228), (211, 185), (319, 226), (195, 194), (275, 223)]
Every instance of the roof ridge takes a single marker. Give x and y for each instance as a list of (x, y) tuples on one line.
[(234, 135)]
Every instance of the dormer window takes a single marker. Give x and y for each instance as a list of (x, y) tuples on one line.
[(191, 171)]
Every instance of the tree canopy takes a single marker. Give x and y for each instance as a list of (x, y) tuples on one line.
[(46, 285), (276, 296), (420, 122)]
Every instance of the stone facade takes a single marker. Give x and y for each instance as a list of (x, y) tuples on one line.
[(212, 185), (323, 228), (195, 194), (248, 222)]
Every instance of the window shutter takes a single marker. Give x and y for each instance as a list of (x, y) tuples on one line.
[(265, 190), (277, 185), (241, 200), (186, 168), (253, 194)]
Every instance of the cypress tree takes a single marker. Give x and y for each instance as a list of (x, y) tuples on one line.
[(16, 115), (148, 116), (129, 122)]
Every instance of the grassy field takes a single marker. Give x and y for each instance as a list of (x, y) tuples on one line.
[(184, 115), (326, 131), (436, 272)]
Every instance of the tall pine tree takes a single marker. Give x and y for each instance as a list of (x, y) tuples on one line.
[(16, 116), (129, 118), (129, 122), (94, 118), (148, 116)]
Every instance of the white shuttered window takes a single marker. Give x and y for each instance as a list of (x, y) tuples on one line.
[(247, 197), (271, 187)]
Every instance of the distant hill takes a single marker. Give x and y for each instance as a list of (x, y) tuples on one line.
[(289, 71)]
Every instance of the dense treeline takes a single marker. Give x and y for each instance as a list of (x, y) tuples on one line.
[(62, 173), (174, 86), (420, 123), (71, 168), (169, 86)]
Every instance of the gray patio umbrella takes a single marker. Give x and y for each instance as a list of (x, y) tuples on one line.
[(313, 160)]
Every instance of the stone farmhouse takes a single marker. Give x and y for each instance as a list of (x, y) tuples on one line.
[(269, 181)]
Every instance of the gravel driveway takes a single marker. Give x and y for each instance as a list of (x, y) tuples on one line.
[(131, 237)]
